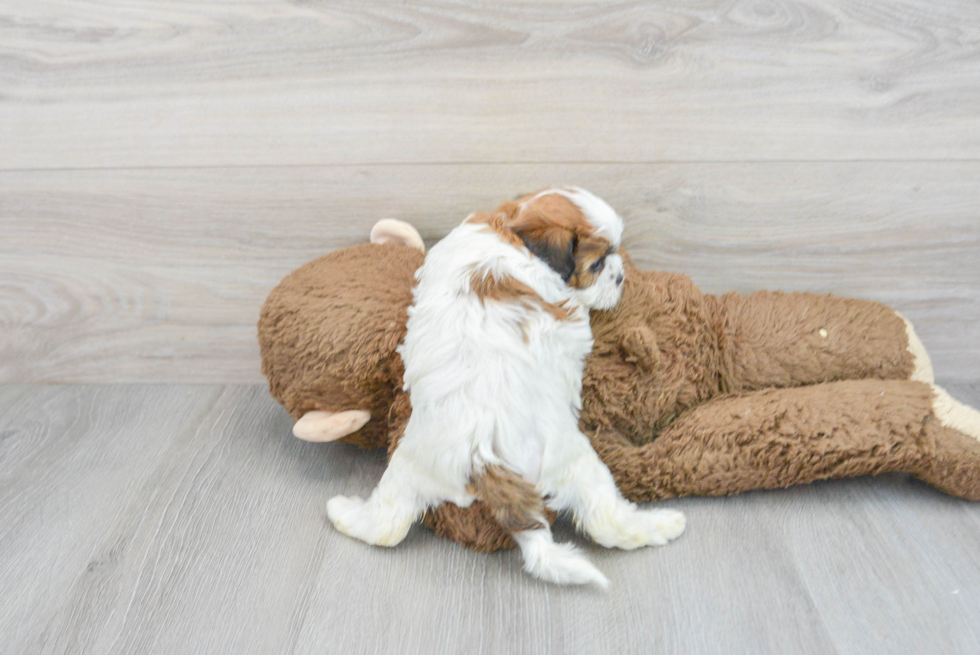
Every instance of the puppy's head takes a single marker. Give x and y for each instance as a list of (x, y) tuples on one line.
[(577, 234)]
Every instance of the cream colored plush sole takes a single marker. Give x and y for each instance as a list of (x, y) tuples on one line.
[(923, 365), (329, 426), (954, 414)]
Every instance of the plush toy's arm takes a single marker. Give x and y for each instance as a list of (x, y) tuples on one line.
[(774, 339), (318, 425), (780, 437)]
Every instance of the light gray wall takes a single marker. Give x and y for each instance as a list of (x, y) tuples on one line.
[(163, 165)]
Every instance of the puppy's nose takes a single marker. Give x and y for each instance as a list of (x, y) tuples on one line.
[(619, 279)]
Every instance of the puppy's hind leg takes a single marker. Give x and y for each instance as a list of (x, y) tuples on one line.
[(519, 509), (386, 516), (587, 488)]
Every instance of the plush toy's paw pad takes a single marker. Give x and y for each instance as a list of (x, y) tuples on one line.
[(363, 520), (954, 414), (557, 563), (319, 426), (921, 364), (391, 230)]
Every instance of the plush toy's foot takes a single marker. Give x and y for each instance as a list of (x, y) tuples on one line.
[(558, 563), (922, 365), (954, 414), (329, 426), (391, 230), (954, 462)]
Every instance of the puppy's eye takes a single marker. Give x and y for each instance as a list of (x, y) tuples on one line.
[(597, 265)]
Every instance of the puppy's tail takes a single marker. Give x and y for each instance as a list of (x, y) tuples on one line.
[(519, 509)]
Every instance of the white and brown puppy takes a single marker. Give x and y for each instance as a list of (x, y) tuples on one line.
[(497, 336)]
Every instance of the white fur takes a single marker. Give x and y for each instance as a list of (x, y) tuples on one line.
[(558, 563), (500, 383)]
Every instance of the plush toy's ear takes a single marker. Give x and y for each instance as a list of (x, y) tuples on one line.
[(549, 241), (391, 230), (640, 343)]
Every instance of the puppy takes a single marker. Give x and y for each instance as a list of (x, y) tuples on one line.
[(497, 337)]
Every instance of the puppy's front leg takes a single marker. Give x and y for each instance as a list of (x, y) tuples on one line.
[(584, 485), (386, 516)]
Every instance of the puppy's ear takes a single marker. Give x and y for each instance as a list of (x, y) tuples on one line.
[(548, 241)]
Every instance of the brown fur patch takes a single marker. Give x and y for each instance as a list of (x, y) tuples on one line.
[(514, 503), (555, 229), (587, 253), (497, 222), (509, 290)]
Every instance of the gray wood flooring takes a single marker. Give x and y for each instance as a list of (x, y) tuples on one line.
[(186, 519)]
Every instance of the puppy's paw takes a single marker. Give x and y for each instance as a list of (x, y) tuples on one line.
[(662, 524), (362, 520), (347, 515), (637, 528), (557, 563)]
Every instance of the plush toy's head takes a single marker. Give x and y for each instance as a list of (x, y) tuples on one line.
[(652, 355), (328, 334)]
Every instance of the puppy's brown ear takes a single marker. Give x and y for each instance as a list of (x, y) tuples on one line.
[(548, 241), (509, 210)]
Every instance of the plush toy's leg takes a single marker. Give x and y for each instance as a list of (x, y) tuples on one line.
[(772, 339), (587, 488), (386, 516), (780, 437), (518, 508), (391, 230), (329, 426)]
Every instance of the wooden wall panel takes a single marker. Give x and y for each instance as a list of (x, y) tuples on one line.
[(162, 83), (158, 275)]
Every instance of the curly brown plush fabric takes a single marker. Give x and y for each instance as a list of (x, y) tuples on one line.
[(831, 430), (667, 348), (328, 334), (684, 392)]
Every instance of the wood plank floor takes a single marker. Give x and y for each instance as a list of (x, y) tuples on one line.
[(186, 519)]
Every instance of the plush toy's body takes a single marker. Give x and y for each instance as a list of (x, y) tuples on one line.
[(684, 393)]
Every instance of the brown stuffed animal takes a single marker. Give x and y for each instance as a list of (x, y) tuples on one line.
[(684, 392)]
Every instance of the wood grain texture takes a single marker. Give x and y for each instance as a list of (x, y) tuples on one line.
[(121, 84), (72, 461), (187, 519), (159, 275)]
